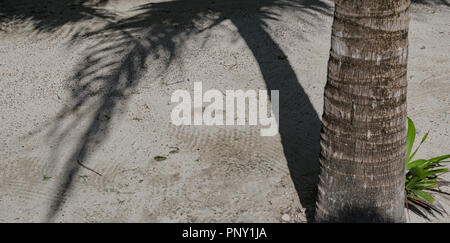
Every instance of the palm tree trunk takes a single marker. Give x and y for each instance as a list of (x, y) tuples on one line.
[(363, 133)]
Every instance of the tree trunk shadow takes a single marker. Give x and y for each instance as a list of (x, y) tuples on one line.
[(299, 124)]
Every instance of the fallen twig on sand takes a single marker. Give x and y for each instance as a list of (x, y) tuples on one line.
[(78, 161)]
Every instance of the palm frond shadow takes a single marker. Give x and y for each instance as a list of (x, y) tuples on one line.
[(52, 15), (157, 31)]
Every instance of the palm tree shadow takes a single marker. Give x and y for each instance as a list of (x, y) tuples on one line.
[(157, 30)]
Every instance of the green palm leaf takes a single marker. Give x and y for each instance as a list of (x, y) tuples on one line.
[(411, 135)]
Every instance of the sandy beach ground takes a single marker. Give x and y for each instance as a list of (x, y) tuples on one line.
[(85, 131)]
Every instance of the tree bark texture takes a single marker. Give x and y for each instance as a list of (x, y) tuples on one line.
[(363, 133)]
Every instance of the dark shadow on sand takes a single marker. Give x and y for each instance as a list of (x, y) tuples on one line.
[(156, 31)]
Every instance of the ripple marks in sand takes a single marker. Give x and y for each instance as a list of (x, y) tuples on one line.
[(244, 149), (28, 179)]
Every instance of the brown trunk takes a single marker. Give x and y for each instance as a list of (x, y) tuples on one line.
[(363, 133)]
